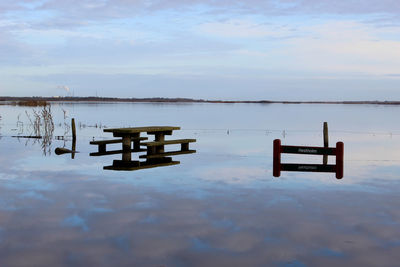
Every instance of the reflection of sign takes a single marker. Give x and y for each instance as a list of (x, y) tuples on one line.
[(333, 151)]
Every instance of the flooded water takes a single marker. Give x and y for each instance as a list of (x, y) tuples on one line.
[(221, 206)]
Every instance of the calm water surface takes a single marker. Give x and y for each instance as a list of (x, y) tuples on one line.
[(219, 207)]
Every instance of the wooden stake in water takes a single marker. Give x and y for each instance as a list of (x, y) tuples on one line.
[(326, 142), (73, 137), (73, 129)]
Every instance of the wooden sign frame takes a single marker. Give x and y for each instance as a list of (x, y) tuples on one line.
[(337, 151)]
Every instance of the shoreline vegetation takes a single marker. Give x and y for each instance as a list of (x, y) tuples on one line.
[(42, 101)]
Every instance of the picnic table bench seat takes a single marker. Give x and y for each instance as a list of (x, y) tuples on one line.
[(168, 142), (102, 146), (112, 152), (157, 147), (114, 141)]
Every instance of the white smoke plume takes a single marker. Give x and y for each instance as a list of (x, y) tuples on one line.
[(64, 87)]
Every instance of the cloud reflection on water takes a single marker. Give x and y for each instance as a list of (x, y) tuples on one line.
[(233, 226)]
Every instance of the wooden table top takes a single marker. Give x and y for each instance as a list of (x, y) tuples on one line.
[(148, 129)]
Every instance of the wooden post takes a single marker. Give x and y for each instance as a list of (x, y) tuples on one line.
[(73, 129), (277, 158), (326, 143), (73, 138), (339, 159)]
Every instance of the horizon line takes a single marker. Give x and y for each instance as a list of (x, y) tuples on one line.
[(187, 100)]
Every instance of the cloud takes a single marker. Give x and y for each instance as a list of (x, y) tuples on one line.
[(347, 46), (394, 75), (234, 175), (242, 29), (75, 11), (348, 7)]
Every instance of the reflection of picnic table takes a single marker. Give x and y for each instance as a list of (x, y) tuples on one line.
[(121, 165), (155, 149)]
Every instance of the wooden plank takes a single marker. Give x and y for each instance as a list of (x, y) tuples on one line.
[(112, 152), (171, 153), (307, 167), (308, 150), (168, 142), (141, 129), (115, 141)]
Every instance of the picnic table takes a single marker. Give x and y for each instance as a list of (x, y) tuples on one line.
[(155, 149), (133, 134), (127, 134)]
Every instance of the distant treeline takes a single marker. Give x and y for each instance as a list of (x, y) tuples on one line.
[(39, 101), (29, 103)]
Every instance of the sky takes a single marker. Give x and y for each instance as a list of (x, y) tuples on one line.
[(209, 49)]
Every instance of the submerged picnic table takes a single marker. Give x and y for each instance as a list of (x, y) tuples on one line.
[(133, 134), (155, 149)]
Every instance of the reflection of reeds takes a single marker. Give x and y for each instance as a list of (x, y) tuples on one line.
[(96, 125), (48, 126), (66, 125)]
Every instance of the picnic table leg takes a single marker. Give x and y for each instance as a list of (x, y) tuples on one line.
[(126, 148), (151, 150), (160, 137), (184, 146), (136, 143), (102, 148), (159, 149)]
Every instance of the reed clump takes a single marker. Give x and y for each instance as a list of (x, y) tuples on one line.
[(41, 121)]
